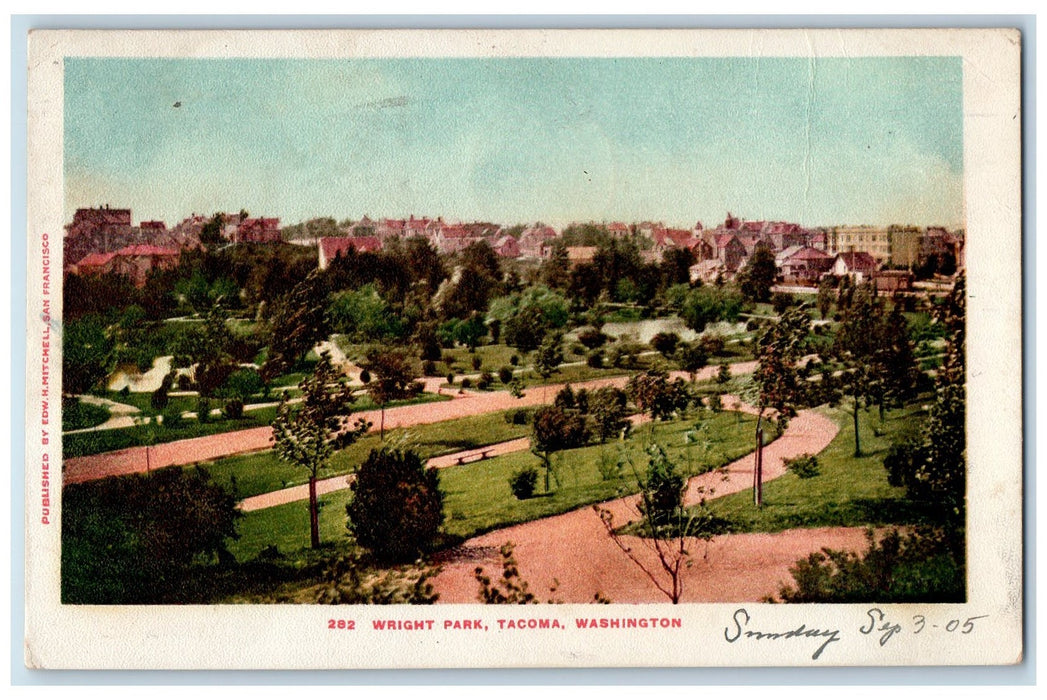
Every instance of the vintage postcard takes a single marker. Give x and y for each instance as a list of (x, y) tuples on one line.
[(416, 349)]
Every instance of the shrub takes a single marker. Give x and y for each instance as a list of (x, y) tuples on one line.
[(233, 409), (450, 378), (505, 375), (518, 416), (397, 505), (713, 344), (665, 343), (448, 359), (429, 369), (524, 482), (595, 359), (172, 418), (467, 382), (485, 381), (203, 409), (609, 466), (804, 466), (723, 375), (715, 403), (592, 338), (184, 382), (514, 360), (477, 362)]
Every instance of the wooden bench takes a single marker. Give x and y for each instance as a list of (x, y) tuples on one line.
[(474, 457)]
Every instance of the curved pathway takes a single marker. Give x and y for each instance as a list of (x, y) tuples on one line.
[(575, 549), (211, 447)]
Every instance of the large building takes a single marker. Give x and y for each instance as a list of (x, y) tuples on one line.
[(892, 245)]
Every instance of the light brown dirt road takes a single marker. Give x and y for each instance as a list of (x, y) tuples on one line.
[(575, 549), (140, 459)]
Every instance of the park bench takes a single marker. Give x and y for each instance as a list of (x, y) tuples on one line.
[(474, 456)]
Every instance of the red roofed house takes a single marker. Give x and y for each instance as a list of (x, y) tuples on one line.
[(729, 251), (332, 246), (537, 242), (803, 264), (506, 247), (134, 261), (617, 229), (258, 231), (860, 265)]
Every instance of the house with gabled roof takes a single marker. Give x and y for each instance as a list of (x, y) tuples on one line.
[(331, 247), (802, 264), (859, 265)]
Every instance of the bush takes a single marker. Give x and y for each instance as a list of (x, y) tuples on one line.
[(233, 409), (665, 343), (715, 403), (172, 418), (514, 360), (485, 381), (505, 375), (592, 338), (203, 409), (467, 382), (804, 466), (577, 349), (448, 359), (518, 416), (595, 359), (429, 369), (450, 378), (524, 482), (397, 505), (477, 362)]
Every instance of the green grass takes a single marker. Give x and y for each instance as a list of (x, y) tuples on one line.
[(574, 374), (478, 499), (82, 444), (492, 357), (262, 472), (77, 415), (287, 527), (849, 491)]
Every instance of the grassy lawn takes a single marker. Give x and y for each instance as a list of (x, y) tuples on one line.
[(574, 374), (141, 400), (263, 472), (287, 527), (77, 415), (477, 497), (82, 444), (492, 357), (849, 491)]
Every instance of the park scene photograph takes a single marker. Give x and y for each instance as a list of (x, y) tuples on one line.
[(513, 331)]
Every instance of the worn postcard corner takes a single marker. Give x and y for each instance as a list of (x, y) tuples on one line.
[(342, 345)]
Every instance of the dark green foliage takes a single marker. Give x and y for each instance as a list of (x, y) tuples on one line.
[(523, 482), (779, 350), (485, 381), (653, 393), (477, 362), (77, 415), (608, 409), (594, 359), (549, 355), (397, 505), (203, 409), (705, 305), (665, 343), (505, 375), (914, 568), (159, 398), (759, 275), (565, 398), (87, 355), (349, 579), (519, 416), (233, 409), (780, 301), (691, 357), (715, 403), (592, 338), (429, 369), (138, 538), (804, 466), (299, 321), (723, 374), (662, 491)]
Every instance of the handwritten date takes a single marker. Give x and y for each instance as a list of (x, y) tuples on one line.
[(880, 623)]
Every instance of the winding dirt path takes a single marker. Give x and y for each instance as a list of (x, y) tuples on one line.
[(140, 459), (575, 549)]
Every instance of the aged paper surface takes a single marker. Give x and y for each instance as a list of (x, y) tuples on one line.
[(611, 155)]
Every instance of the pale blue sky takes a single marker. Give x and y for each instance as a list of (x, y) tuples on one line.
[(820, 142)]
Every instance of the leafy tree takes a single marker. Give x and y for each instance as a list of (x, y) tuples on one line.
[(826, 295), (665, 343), (549, 355), (653, 393), (676, 266), (779, 350), (608, 407), (299, 321), (723, 374), (391, 378), (668, 530), (759, 275), (856, 346), (87, 355), (364, 316), (692, 357), (554, 429), (556, 269), (705, 305), (243, 383), (134, 539), (397, 506), (528, 316), (304, 433), (350, 579), (211, 232)]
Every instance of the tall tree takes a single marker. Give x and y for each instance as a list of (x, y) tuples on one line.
[(392, 378), (778, 354), (304, 433), (554, 429), (856, 347), (759, 274), (87, 355), (298, 322)]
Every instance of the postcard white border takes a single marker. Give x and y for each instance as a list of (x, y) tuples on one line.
[(295, 637)]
